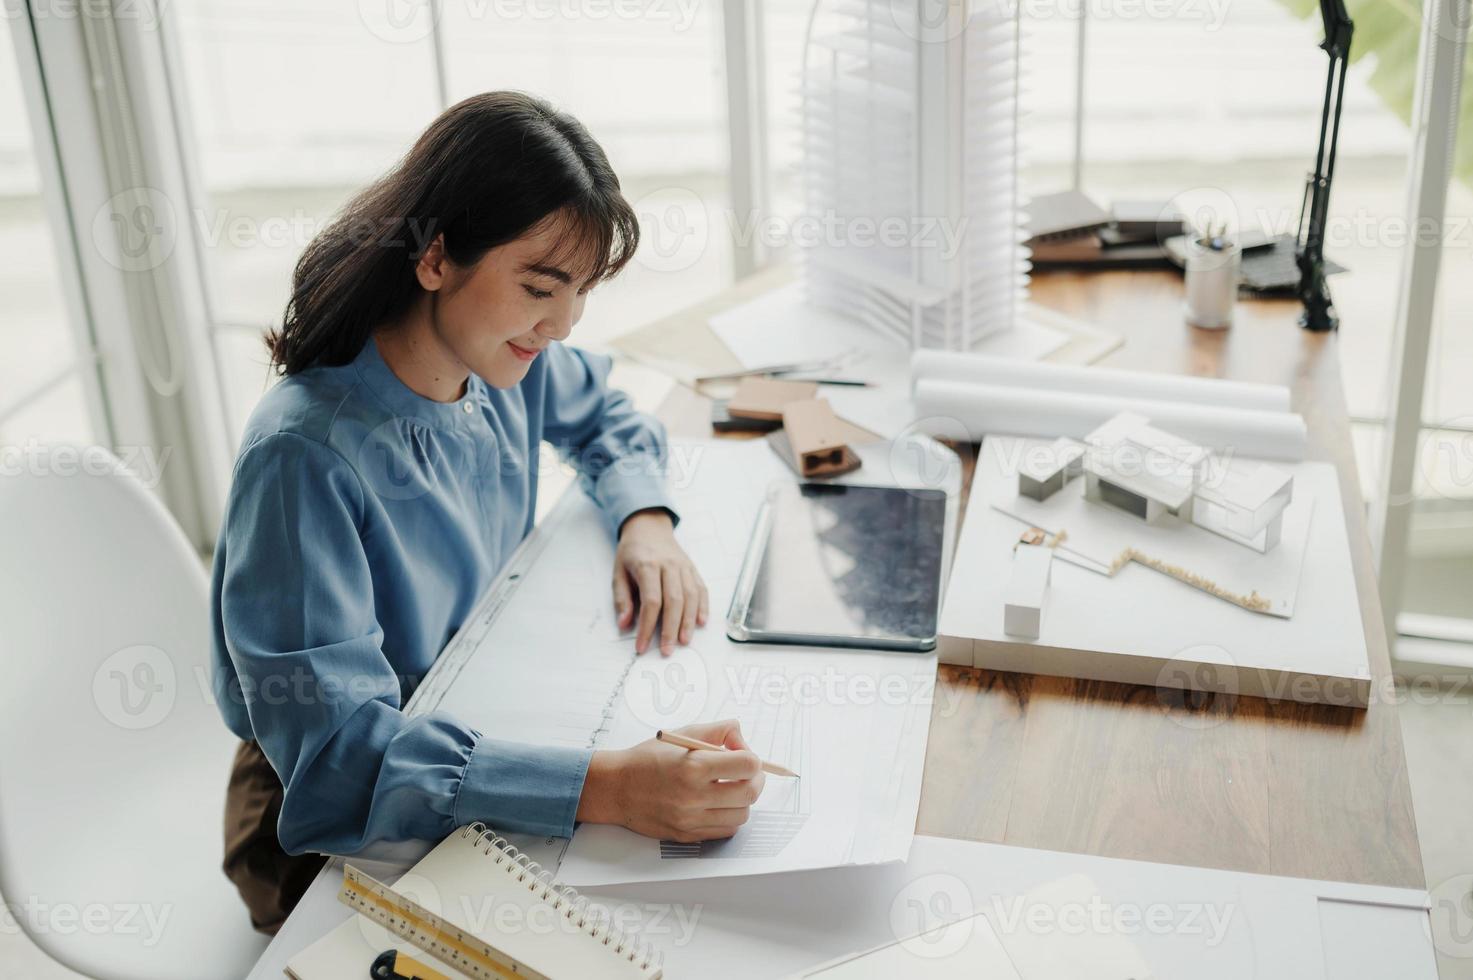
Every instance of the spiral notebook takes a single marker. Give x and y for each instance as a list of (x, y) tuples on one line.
[(482, 884)]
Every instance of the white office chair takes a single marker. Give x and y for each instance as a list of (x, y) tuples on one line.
[(113, 757)]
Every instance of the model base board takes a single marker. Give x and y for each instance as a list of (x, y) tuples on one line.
[(1143, 627)]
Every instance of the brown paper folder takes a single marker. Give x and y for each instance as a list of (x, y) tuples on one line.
[(764, 398), (816, 436)]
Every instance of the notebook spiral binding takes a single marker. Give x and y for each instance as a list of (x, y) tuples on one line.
[(563, 898)]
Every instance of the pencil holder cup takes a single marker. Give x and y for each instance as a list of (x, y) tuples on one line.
[(1212, 281)]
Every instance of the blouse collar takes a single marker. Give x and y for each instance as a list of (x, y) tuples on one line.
[(404, 401)]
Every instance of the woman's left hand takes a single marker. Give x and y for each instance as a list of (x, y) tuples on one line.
[(654, 575)]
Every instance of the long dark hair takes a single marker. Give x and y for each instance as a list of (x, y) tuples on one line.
[(484, 173)]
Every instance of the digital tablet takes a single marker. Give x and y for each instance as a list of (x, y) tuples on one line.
[(836, 564)]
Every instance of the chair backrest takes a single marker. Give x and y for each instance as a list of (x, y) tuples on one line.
[(113, 757)]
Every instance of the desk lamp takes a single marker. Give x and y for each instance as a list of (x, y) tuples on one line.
[(1309, 254)]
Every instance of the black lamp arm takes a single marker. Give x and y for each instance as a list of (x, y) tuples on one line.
[(1314, 291)]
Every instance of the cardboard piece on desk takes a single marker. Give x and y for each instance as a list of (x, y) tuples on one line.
[(723, 421), (765, 398), (854, 435), (816, 438)]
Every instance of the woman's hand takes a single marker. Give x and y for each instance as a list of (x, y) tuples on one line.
[(653, 573), (669, 793)]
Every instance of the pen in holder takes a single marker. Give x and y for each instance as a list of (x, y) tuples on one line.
[(1213, 261)]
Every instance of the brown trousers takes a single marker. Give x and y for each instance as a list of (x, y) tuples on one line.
[(270, 881)]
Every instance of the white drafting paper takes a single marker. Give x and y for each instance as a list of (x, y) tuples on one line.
[(1101, 534), (1067, 954), (1072, 914), (548, 667), (953, 949), (852, 725), (780, 327), (554, 669), (1059, 916)]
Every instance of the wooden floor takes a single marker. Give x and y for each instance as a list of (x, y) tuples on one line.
[(1135, 772)]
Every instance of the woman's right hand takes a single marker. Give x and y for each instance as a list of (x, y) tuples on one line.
[(670, 793)]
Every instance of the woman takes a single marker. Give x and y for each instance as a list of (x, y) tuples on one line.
[(386, 479)]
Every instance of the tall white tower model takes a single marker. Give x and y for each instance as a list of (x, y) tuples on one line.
[(910, 165)]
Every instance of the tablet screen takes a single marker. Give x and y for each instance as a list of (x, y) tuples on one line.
[(847, 565)]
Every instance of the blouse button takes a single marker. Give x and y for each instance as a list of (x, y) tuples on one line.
[(467, 407)]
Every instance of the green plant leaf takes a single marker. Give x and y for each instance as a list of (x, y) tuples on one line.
[(1388, 32)]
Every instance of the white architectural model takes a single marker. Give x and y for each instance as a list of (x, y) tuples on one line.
[(1022, 613), (1045, 471), (1142, 470), (910, 165), (1245, 503), (1139, 469)]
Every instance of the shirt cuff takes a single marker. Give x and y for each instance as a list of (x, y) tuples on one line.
[(519, 788), (620, 494)]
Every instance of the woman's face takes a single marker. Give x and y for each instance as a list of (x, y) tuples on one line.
[(496, 316)]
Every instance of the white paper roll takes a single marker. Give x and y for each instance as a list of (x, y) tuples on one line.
[(1009, 372), (996, 409)]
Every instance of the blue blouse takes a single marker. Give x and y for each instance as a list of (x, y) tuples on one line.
[(363, 523)]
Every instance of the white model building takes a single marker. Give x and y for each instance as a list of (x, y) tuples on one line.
[(1244, 501), (1142, 470), (1045, 470), (1028, 582), (1134, 467)]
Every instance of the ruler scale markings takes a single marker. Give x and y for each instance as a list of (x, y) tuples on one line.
[(427, 931)]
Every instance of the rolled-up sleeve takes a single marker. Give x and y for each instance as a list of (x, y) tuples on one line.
[(294, 608), (621, 454)]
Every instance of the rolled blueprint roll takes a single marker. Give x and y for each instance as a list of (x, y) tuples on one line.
[(983, 409), (1009, 372)]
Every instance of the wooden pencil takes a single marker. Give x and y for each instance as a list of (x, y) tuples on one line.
[(686, 742)]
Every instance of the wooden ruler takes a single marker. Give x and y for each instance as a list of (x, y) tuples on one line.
[(410, 921)]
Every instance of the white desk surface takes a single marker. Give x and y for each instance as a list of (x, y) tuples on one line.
[(1178, 921)]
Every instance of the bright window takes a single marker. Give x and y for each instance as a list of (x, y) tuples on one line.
[(41, 394)]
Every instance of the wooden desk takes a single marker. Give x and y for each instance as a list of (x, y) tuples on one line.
[(1133, 772)]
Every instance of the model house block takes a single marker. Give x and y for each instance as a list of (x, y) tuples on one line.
[(1139, 469), (1244, 501), (1142, 470), (1046, 470), (1028, 582)]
